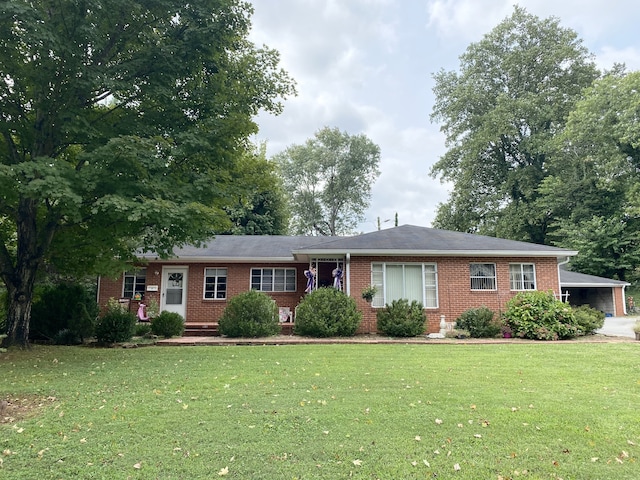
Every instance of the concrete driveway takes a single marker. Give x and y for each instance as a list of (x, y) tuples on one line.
[(618, 326)]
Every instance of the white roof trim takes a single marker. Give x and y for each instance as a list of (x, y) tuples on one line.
[(437, 253)]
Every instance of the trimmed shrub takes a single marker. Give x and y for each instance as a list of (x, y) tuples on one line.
[(588, 319), (167, 324), (479, 322), (327, 312), (142, 330), (116, 324), (401, 319), (250, 314), (65, 313), (540, 316)]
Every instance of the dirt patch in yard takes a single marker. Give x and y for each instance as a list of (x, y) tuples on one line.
[(14, 408)]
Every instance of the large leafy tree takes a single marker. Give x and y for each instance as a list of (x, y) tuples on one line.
[(120, 125), (512, 94), (261, 205), (592, 192), (328, 180)]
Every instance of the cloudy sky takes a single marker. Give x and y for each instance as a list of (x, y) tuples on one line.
[(365, 66)]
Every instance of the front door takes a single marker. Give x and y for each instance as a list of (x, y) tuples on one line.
[(174, 290)]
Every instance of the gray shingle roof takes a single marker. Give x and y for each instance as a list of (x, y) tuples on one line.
[(244, 248), (574, 279), (403, 240), (409, 239)]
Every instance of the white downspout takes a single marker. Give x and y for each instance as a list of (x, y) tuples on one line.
[(566, 260)]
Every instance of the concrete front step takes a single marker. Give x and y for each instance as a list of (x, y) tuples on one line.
[(195, 329), (201, 330)]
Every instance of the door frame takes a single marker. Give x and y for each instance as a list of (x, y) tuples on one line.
[(178, 308)]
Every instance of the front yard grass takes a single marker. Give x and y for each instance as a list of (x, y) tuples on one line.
[(532, 411)]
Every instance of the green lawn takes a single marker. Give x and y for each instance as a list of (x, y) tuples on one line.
[(532, 411)]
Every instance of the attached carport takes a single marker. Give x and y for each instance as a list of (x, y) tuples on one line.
[(600, 293)]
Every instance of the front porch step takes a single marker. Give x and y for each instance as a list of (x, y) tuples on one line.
[(192, 329), (200, 329)]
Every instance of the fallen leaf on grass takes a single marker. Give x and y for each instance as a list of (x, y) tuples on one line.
[(357, 462), (223, 471), (137, 466), (438, 421), (418, 438), (456, 467)]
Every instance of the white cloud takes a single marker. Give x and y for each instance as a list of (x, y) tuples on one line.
[(365, 66)]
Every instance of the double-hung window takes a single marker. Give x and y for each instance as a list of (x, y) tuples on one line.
[(134, 283), (215, 283), (411, 281), (273, 279), (522, 276), (483, 276)]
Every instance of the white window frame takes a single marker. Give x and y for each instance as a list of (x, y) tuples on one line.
[(139, 281), (481, 278), (288, 272), (219, 273), (379, 280), (518, 284)]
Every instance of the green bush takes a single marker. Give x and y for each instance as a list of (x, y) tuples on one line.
[(167, 324), (115, 325), (588, 319), (142, 330), (401, 319), (479, 322), (540, 316), (327, 312), (65, 313), (250, 314)]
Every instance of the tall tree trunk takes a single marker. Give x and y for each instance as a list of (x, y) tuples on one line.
[(19, 276), (18, 318)]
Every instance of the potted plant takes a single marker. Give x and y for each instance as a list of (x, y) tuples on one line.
[(636, 329), (506, 331), (369, 292)]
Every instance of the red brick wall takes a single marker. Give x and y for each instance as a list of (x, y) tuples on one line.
[(454, 292), (619, 301), (200, 309)]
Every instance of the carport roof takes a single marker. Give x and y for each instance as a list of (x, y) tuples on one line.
[(570, 279)]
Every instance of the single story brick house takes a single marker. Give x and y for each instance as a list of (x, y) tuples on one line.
[(448, 272)]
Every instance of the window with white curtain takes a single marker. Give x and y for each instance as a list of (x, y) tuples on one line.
[(412, 281), (522, 276), (483, 276)]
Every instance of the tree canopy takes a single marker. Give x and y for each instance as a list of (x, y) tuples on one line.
[(120, 126), (261, 207), (513, 93), (328, 181), (592, 189)]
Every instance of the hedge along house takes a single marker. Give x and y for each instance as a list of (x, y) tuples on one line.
[(448, 272)]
